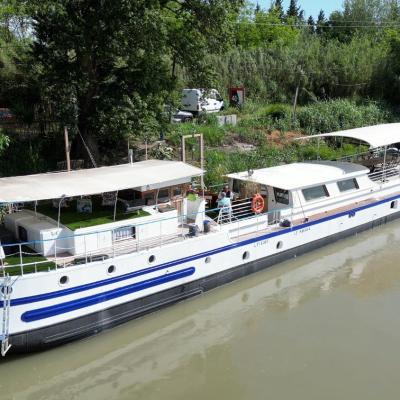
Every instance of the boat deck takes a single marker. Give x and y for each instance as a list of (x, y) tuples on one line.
[(313, 217)]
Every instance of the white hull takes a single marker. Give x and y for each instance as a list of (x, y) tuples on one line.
[(39, 302)]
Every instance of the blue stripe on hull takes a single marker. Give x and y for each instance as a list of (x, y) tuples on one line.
[(81, 288), (51, 311)]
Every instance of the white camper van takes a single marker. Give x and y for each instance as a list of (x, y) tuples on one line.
[(201, 100)]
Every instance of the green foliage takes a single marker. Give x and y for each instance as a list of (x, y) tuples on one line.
[(331, 116), (32, 154), (106, 70), (213, 135), (387, 82), (4, 141), (219, 163), (277, 111), (322, 69), (264, 28)]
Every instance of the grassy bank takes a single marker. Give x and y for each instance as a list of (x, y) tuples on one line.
[(266, 134)]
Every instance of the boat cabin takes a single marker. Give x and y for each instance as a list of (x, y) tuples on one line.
[(83, 211), (304, 186)]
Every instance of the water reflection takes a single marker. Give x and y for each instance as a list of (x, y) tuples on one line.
[(265, 330)]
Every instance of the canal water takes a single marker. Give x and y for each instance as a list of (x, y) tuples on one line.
[(323, 326)]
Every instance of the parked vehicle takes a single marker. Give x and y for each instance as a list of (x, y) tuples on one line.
[(202, 101), (6, 115), (176, 116), (181, 116)]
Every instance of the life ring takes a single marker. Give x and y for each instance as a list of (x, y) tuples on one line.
[(257, 204)]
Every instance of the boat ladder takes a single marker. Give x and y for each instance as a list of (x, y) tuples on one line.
[(5, 289)]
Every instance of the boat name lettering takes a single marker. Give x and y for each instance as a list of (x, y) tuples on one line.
[(303, 230)]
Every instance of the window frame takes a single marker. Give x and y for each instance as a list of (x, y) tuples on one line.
[(355, 187), (118, 236), (279, 198), (324, 188)]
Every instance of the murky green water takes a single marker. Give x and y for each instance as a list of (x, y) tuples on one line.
[(323, 326)]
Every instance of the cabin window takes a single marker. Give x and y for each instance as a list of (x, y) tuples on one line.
[(163, 194), (177, 191), (281, 196), (124, 232), (349, 184), (149, 198), (316, 192)]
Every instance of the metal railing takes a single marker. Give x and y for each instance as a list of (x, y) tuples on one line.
[(23, 255), (384, 174), (5, 323), (239, 209)]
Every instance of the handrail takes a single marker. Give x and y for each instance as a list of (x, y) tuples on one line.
[(125, 246)]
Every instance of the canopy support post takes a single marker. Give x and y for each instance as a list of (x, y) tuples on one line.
[(59, 212), (36, 208), (115, 204), (67, 149), (157, 193), (384, 166)]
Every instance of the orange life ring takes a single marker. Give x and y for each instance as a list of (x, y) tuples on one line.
[(257, 204)]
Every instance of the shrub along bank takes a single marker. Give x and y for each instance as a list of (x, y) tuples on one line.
[(268, 131)]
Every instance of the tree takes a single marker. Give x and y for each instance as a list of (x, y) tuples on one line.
[(106, 70), (311, 24), (277, 7), (293, 10), (394, 11), (388, 77), (321, 23)]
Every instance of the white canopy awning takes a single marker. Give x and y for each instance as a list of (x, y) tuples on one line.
[(144, 175), (302, 175), (375, 136)]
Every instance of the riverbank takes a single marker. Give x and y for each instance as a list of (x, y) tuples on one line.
[(265, 134)]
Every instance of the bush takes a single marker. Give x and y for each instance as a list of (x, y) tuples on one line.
[(278, 111), (213, 135), (336, 115)]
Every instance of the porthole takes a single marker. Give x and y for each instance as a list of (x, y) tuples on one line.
[(64, 280), (207, 260), (279, 245), (111, 269), (246, 255), (393, 204), (152, 258)]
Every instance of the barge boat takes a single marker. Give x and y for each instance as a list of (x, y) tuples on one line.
[(86, 250)]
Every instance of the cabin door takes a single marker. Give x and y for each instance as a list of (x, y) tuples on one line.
[(264, 194)]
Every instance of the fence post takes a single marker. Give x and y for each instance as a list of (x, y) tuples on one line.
[(55, 253), (20, 259)]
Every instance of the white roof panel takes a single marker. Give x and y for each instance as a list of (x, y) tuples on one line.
[(150, 174), (375, 136), (302, 175)]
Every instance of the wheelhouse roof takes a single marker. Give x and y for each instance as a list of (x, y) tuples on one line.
[(302, 175), (143, 175), (376, 136)]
